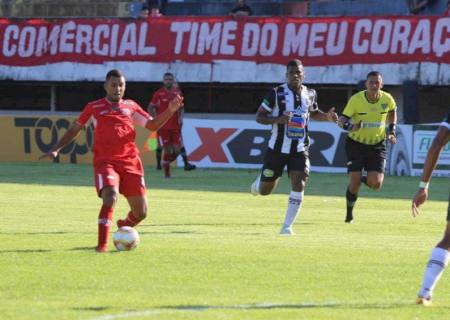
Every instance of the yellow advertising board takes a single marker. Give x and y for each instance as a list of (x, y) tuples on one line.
[(25, 138)]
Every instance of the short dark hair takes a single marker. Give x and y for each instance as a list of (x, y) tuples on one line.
[(294, 63), (168, 74), (114, 73), (374, 74)]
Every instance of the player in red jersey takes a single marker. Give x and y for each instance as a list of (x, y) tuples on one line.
[(117, 164), (169, 136)]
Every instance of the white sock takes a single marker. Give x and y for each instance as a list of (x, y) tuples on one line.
[(293, 209), (255, 185), (436, 265)]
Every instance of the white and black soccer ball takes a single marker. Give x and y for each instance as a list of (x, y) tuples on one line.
[(126, 239)]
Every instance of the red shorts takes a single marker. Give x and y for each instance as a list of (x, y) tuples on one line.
[(126, 176), (169, 137)]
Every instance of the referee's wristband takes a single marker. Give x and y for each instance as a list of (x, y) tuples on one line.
[(424, 185), (391, 128)]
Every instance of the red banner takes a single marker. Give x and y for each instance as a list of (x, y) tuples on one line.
[(317, 41)]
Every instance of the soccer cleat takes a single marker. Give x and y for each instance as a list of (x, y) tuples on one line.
[(158, 167), (190, 167), (426, 302), (101, 249), (349, 219), (287, 230)]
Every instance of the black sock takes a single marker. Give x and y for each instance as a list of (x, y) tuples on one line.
[(184, 156), (158, 156), (351, 199)]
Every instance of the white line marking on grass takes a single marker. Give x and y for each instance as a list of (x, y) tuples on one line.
[(199, 308), (128, 315)]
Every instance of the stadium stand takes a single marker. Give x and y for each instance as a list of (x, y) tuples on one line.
[(299, 8)]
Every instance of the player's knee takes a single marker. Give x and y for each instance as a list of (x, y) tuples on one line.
[(375, 184), (110, 196), (445, 242)]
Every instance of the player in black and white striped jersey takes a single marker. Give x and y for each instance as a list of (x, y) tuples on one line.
[(288, 108), (440, 255)]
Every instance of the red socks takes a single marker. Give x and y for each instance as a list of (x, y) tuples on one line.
[(104, 225), (130, 221), (167, 159)]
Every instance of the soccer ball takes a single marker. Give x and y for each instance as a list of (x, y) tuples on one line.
[(126, 238)]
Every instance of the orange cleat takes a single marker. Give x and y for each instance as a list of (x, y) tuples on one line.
[(426, 302)]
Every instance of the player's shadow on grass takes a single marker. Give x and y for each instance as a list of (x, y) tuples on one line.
[(26, 251), (40, 232), (306, 305)]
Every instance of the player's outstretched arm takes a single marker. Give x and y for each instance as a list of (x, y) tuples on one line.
[(440, 140), (174, 105), (265, 117), (70, 134), (319, 115)]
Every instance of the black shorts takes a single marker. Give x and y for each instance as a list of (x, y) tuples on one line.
[(274, 163), (365, 156)]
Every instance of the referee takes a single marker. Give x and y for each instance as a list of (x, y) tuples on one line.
[(369, 116)]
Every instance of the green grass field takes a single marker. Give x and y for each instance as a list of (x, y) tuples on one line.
[(210, 250)]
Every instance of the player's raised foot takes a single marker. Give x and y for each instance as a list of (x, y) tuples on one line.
[(121, 223), (101, 249), (426, 302), (190, 167), (287, 231)]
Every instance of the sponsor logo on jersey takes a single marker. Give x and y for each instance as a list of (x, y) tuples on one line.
[(384, 106), (373, 124)]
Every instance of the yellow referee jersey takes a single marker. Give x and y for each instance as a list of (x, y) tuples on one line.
[(372, 115)]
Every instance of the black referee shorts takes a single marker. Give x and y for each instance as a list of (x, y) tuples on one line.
[(274, 163), (365, 156)]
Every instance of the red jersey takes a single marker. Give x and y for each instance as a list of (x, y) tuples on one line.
[(160, 100), (114, 128)]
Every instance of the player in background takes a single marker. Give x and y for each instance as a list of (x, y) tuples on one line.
[(288, 108), (365, 117), (440, 255), (169, 136), (117, 163)]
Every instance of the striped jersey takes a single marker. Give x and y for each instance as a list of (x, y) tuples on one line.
[(282, 99)]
